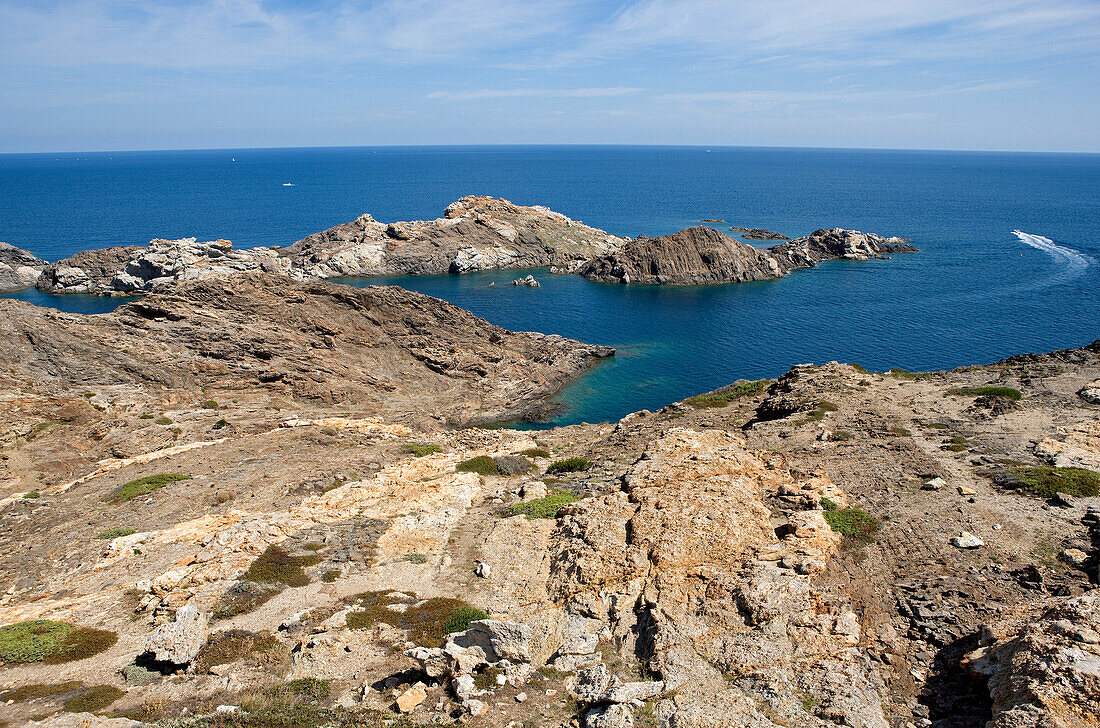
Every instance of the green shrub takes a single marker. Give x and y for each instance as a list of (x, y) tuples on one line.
[(854, 523), (242, 598), (146, 416), (116, 533), (42, 640), (221, 423), (536, 452), (143, 486), (722, 397), (902, 374), (276, 566), (230, 645), (1006, 392), (210, 404), (427, 622), (513, 465), (32, 495), (487, 678), (163, 421), (546, 507), (330, 576), (569, 465), (93, 699), (415, 558), (482, 465), (1046, 481), (957, 444), (419, 449), (897, 431)]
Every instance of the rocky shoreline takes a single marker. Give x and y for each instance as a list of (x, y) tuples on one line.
[(475, 233)]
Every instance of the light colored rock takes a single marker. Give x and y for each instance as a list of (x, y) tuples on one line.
[(464, 688), (610, 716), (1077, 557), (179, 641), (509, 640), (630, 691), (1090, 393), (590, 683), (483, 570), (967, 540), (82, 720), (936, 483), (475, 707), (580, 644), (411, 698), (963, 490)]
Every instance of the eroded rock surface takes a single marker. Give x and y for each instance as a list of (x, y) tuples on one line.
[(18, 268)]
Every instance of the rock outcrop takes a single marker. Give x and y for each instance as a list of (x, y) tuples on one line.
[(758, 234), (132, 270), (475, 233), (18, 268), (385, 349), (702, 255)]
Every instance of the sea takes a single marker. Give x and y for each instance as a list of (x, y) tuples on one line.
[(1009, 243)]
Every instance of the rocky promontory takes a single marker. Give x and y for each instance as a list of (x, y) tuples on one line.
[(702, 255), (475, 233), (18, 268)]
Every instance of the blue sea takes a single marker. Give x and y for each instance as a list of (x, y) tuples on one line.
[(975, 293)]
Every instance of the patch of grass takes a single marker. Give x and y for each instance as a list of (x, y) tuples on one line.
[(487, 678), (93, 699), (903, 374), (221, 423), (807, 702), (32, 495), (39, 690), (817, 414), (232, 645), (313, 546), (1006, 392), (536, 452), (569, 465), (242, 598), (115, 533), (1046, 481), (146, 416), (330, 576), (957, 444), (853, 523), (724, 396), (415, 558), (163, 421), (482, 465), (427, 622), (842, 435), (43, 640), (143, 486), (420, 449), (546, 507), (897, 431), (209, 404), (306, 688), (276, 566)]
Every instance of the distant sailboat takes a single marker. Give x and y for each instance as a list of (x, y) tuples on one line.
[(288, 184)]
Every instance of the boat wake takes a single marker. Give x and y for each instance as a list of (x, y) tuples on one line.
[(1075, 261)]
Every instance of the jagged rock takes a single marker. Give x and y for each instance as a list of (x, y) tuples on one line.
[(475, 233), (936, 483), (533, 490), (758, 234), (701, 255), (179, 641), (1044, 672), (475, 707), (483, 570), (411, 698), (1076, 557), (1090, 393), (966, 540), (18, 268), (529, 281), (509, 640), (630, 691), (464, 688), (433, 660), (580, 644), (609, 716), (590, 683)]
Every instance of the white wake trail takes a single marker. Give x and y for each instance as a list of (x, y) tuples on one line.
[(1075, 261)]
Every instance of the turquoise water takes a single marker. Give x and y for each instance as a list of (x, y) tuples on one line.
[(975, 293)]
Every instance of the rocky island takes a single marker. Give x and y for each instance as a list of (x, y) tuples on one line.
[(246, 501), (475, 233)]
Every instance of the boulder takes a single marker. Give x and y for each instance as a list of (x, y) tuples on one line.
[(610, 716), (630, 691), (591, 683), (18, 268), (509, 640), (178, 642), (411, 698), (967, 540)]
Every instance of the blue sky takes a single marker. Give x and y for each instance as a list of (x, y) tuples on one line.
[(172, 74)]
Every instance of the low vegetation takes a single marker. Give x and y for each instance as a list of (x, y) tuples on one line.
[(569, 465), (42, 640), (38, 690), (234, 644), (276, 566), (482, 465), (817, 414), (487, 678), (244, 597), (1006, 392), (421, 449), (546, 507), (93, 699), (513, 465), (903, 374), (957, 444), (724, 396), (852, 523), (143, 486), (536, 452), (427, 622), (163, 421), (115, 533), (1046, 481)]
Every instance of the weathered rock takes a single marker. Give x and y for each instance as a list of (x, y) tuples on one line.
[(609, 716), (580, 644), (529, 281), (1090, 393), (475, 233), (757, 234), (967, 540), (590, 683), (179, 641), (83, 720), (630, 691), (18, 268), (936, 483), (701, 255), (411, 698)]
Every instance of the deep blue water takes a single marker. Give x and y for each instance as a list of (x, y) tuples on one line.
[(975, 292)]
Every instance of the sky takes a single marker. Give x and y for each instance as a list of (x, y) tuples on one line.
[(83, 75)]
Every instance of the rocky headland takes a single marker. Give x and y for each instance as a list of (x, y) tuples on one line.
[(758, 234), (702, 255), (475, 233)]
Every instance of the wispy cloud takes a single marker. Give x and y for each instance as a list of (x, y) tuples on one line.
[(554, 93)]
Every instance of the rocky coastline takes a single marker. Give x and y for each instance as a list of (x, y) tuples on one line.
[(475, 233)]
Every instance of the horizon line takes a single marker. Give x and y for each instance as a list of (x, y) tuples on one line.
[(551, 145)]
